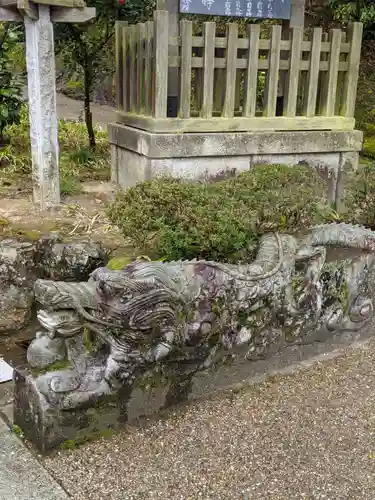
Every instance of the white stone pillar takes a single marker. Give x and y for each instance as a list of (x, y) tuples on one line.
[(40, 60)]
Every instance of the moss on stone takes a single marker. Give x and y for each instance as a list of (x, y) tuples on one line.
[(119, 263), (87, 340), (72, 444), (53, 367), (16, 429), (336, 281), (154, 379)]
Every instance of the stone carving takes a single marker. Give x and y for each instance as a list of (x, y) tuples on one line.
[(190, 312), (181, 317), (21, 263), (17, 276)]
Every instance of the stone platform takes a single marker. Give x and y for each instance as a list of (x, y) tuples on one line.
[(138, 155)]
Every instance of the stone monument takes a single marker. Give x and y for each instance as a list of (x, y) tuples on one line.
[(169, 321)]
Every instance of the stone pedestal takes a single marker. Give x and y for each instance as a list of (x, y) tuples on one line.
[(138, 155), (47, 426)]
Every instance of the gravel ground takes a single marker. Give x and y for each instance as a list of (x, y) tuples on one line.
[(308, 435)]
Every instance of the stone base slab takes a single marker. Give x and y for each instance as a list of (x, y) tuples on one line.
[(232, 144), (47, 428), (139, 156)]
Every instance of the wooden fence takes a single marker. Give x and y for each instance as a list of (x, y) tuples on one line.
[(237, 83)]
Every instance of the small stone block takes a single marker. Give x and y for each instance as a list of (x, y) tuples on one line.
[(48, 427)]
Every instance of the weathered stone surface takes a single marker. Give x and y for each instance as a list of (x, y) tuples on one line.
[(47, 426), (22, 476), (17, 276), (68, 261), (43, 351), (129, 168), (22, 263), (156, 323), (232, 144), (40, 61), (137, 155)]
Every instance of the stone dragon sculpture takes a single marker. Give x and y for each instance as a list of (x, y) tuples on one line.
[(185, 316)]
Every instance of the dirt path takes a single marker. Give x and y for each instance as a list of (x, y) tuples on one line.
[(70, 109), (78, 216), (305, 436)]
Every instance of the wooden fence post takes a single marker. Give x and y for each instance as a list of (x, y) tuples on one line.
[(119, 66), (330, 88), (272, 79), (148, 87), (161, 63), (351, 77), (231, 62), (251, 77), (186, 29), (313, 74), (294, 72), (208, 68)]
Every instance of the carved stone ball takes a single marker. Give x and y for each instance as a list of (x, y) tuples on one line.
[(43, 351)]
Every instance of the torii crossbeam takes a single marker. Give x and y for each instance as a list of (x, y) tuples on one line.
[(38, 17)]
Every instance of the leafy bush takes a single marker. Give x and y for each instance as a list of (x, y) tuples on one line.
[(11, 83), (219, 220), (77, 161), (360, 197), (369, 146)]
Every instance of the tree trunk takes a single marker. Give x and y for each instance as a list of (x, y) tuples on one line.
[(87, 81)]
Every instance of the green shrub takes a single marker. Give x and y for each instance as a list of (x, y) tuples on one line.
[(77, 162), (369, 147), (360, 197), (219, 220), (11, 83)]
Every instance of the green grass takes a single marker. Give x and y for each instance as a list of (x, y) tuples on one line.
[(77, 162)]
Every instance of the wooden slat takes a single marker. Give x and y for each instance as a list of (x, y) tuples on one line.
[(141, 33), (132, 76), (263, 64), (238, 124), (272, 78), (230, 77), (313, 75), (293, 73), (125, 67), (10, 15), (330, 88), (219, 87), (264, 44), (148, 67), (119, 66), (354, 34), (186, 28), (340, 79), (208, 68), (161, 63), (323, 78), (251, 79)]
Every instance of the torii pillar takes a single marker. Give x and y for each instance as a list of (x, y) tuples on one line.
[(38, 17)]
